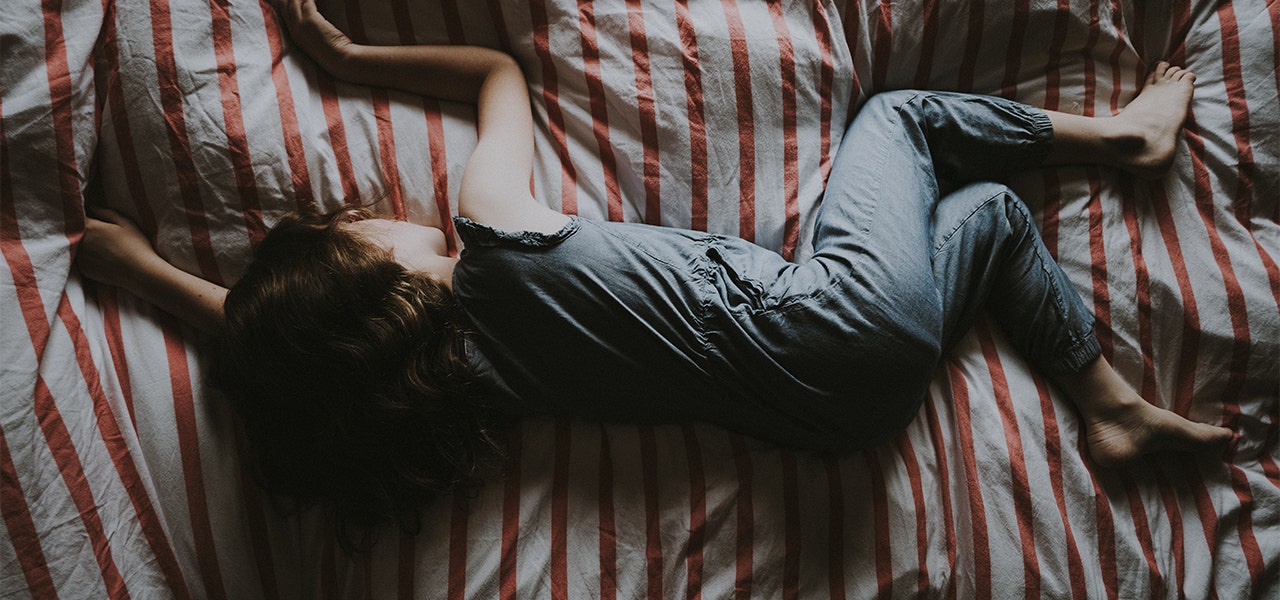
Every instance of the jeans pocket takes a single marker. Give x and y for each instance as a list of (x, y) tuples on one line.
[(741, 290)]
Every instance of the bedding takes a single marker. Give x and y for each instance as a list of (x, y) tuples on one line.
[(120, 474)]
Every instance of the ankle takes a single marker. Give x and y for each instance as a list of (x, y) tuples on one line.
[(1098, 391)]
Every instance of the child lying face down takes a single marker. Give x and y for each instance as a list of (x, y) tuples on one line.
[(371, 370)]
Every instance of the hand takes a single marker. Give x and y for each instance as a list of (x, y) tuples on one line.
[(114, 251), (323, 42)]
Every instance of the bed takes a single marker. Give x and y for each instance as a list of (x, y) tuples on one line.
[(120, 474)]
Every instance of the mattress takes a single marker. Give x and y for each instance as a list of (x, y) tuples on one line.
[(120, 472)]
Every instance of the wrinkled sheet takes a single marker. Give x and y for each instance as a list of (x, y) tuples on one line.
[(119, 471)]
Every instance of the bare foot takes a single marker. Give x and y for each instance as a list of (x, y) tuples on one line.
[(1122, 427), (1145, 134), (1140, 428)]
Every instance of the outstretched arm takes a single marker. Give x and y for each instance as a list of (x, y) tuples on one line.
[(113, 251), (495, 184)]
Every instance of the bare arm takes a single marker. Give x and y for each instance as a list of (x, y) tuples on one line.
[(115, 252), (495, 184)]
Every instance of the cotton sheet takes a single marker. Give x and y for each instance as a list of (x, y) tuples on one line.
[(119, 471)]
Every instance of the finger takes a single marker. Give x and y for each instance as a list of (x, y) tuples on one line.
[(293, 12)]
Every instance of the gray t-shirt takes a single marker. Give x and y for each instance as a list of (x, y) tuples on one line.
[(636, 323)]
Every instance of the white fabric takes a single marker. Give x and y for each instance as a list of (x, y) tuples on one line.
[(119, 470)]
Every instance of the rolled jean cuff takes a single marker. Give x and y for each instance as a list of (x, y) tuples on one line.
[(1042, 132), (1075, 358)]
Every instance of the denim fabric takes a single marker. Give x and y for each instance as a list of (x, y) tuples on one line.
[(636, 323)]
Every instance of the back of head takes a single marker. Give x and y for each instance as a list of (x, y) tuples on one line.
[(350, 376)]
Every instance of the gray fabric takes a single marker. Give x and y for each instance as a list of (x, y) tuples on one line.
[(628, 322)]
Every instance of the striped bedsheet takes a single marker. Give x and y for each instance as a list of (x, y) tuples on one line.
[(119, 472)]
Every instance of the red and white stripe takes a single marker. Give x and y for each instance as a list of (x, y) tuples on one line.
[(119, 475)]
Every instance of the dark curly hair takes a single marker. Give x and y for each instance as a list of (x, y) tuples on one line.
[(350, 377)]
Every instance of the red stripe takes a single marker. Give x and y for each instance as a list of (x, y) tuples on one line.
[(697, 514), (1013, 58), (13, 504), (452, 23), (559, 560), (60, 101), (648, 113), (184, 166), (652, 513), (1173, 511), (381, 116), (790, 147), (597, 100), (115, 345), (1245, 198), (1098, 257), (746, 122), (973, 43), (407, 556), (440, 172), (192, 467), (299, 175), (826, 79), (1185, 367), (73, 475), (500, 24), (233, 121), (457, 581), (1140, 16), (510, 517), (551, 99), (912, 465), (1105, 528), (1238, 365), (880, 524), (851, 31), (608, 544), (120, 120), (1207, 514), (1053, 80), (114, 441), (791, 525), (981, 548), (1273, 9), (1233, 80), (22, 530), (944, 486), (929, 36), (32, 306), (746, 519), (1097, 245), (1136, 505), (327, 88), (882, 46), (1019, 485), (835, 523), (1138, 513), (1142, 283), (1053, 457), (697, 126), (435, 124), (1184, 387)]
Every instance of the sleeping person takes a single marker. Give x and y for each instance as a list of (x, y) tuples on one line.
[(373, 371)]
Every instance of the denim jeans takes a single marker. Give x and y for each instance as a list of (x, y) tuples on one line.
[(907, 252), (628, 322)]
